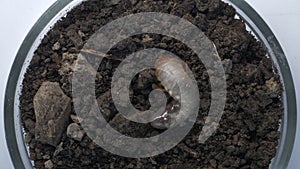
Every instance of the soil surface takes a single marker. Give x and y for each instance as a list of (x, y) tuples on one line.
[(247, 136)]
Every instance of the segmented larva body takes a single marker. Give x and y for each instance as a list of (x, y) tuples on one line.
[(174, 77), (168, 71)]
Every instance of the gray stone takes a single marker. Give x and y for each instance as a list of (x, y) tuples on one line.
[(52, 110), (75, 132)]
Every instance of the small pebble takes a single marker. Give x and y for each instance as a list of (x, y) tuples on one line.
[(56, 46), (49, 164), (75, 132), (75, 119)]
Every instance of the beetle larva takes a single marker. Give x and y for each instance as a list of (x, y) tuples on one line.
[(177, 81)]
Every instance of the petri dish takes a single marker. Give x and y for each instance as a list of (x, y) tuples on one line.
[(15, 134)]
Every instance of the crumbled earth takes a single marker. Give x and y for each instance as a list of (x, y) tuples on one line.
[(248, 134)]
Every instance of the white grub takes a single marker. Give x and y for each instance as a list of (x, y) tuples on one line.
[(169, 72)]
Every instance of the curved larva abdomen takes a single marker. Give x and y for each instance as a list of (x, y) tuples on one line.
[(177, 80), (169, 71)]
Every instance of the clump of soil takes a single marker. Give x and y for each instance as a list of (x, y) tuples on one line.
[(248, 131)]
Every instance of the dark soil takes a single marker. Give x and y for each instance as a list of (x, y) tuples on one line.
[(248, 133)]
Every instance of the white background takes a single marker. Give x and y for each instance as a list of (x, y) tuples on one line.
[(18, 16)]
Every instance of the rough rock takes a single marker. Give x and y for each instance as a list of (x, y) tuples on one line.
[(49, 164), (52, 109), (75, 132), (75, 118)]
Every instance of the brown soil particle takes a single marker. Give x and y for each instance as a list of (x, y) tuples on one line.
[(247, 136)]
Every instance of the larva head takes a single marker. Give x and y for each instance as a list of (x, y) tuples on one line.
[(159, 64), (162, 61), (165, 61)]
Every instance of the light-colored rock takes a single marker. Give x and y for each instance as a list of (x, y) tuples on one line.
[(49, 164), (274, 87), (52, 110), (76, 119), (75, 132), (56, 46)]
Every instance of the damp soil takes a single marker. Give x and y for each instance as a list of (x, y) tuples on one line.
[(247, 135)]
